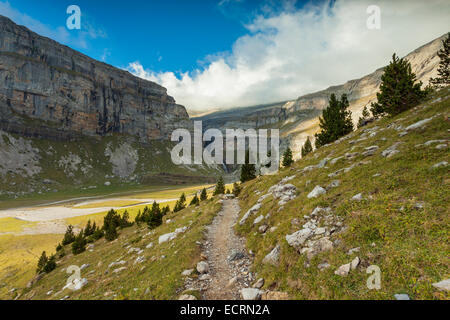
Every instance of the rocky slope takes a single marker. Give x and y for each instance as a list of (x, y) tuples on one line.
[(72, 93)]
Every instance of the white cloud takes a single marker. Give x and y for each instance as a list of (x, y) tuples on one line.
[(77, 39), (287, 54)]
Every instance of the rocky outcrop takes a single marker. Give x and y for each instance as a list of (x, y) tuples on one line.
[(71, 93)]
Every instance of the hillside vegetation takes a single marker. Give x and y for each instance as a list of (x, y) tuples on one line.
[(384, 193)]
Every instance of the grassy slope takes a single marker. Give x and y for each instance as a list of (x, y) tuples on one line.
[(411, 245), (162, 276), (153, 158)]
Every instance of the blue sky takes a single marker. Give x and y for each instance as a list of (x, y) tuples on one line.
[(212, 54), (174, 35)]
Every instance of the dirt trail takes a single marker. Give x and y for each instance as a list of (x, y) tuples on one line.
[(222, 244)]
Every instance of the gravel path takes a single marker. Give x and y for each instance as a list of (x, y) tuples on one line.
[(228, 260)]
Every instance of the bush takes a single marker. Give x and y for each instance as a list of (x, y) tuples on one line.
[(236, 189), (195, 201), (50, 265), (42, 262)]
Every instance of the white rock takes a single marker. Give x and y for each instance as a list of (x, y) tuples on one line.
[(187, 272), (273, 256), (441, 146), (84, 266), (354, 264), (259, 219), (343, 270), (317, 191), (418, 124), (202, 267), (107, 183), (250, 211), (119, 269), (251, 294), (401, 296), (259, 284), (357, 197), (150, 245), (297, 239), (187, 297), (442, 285), (440, 164)]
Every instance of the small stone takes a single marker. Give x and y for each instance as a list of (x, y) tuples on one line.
[(263, 228), (187, 272), (440, 164), (273, 257), (443, 285), (357, 197), (317, 191), (354, 264), (274, 295), (187, 297), (441, 146), (259, 284), (236, 255), (352, 251), (232, 282), (149, 245), (259, 219), (343, 270), (401, 296), (323, 266), (202, 267), (251, 294)]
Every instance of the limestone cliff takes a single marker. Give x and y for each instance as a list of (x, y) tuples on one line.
[(72, 94)]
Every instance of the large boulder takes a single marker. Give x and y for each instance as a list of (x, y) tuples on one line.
[(251, 294), (317, 191), (273, 256)]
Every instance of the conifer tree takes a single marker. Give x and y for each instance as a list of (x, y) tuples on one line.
[(110, 223), (79, 245), (307, 147), (195, 201), (155, 216), (443, 78), (335, 122), (180, 204), (42, 262), (203, 195), (248, 170), (50, 265), (287, 158), (88, 230), (398, 91), (362, 121), (69, 236), (165, 210), (111, 232), (220, 187)]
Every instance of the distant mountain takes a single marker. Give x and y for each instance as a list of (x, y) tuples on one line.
[(297, 119)]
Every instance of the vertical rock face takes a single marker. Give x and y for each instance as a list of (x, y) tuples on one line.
[(44, 80)]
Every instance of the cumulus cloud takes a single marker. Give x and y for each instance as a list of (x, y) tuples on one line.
[(292, 52)]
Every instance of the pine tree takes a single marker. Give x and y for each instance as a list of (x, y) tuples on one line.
[(110, 223), (69, 236), (42, 262), (180, 204), (220, 187), (195, 201), (88, 230), (155, 216), (50, 265), (79, 245), (236, 189), (125, 220), (364, 119), (111, 232), (248, 170), (165, 210), (203, 195), (443, 78), (307, 147), (287, 158), (335, 122), (398, 91)]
